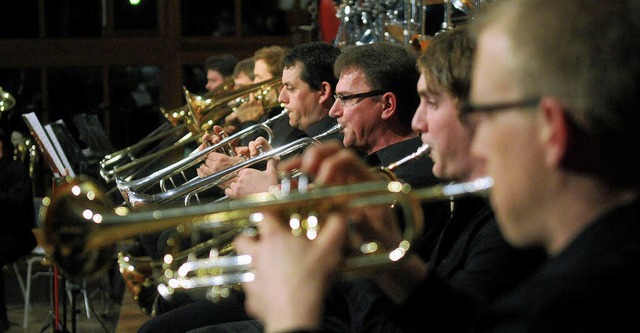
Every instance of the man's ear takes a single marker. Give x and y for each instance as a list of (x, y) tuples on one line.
[(326, 92), (389, 105), (555, 131)]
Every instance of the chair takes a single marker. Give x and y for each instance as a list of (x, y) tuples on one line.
[(38, 255), (19, 278)]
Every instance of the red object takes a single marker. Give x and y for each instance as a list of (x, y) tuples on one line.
[(327, 20)]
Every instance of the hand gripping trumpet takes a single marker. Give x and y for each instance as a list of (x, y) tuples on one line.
[(221, 274), (141, 274)]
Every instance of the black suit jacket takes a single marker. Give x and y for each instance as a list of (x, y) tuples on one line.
[(593, 285)]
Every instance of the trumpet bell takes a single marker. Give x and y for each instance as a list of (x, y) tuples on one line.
[(82, 229)]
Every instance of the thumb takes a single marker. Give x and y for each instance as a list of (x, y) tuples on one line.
[(271, 166)]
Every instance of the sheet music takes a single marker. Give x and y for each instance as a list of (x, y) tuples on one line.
[(46, 146), (58, 147)]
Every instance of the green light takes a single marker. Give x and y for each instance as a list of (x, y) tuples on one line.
[(134, 2)]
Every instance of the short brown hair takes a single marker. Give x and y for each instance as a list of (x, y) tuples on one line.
[(273, 56)]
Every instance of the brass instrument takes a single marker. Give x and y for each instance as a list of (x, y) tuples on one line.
[(422, 150), (223, 273), (469, 7), (181, 113), (7, 102), (124, 162), (82, 230), (141, 272), (197, 184), (201, 109), (388, 170), (127, 186), (178, 126)]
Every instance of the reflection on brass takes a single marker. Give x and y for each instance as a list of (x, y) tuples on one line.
[(81, 229), (199, 114), (7, 102)]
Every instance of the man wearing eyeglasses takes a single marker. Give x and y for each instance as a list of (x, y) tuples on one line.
[(471, 263), (558, 108), (375, 102)]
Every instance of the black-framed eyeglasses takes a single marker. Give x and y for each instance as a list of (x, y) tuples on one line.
[(344, 98), (466, 108)]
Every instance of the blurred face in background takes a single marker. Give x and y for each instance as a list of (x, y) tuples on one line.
[(261, 71), (512, 142), (242, 80), (214, 80)]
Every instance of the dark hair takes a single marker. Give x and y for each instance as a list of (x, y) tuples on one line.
[(317, 60), (388, 67), (223, 64)]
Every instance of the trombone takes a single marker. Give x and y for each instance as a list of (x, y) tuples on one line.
[(197, 184), (178, 124), (203, 113), (127, 186), (182, 112)]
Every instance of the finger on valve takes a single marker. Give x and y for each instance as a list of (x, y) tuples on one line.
[(294, 276)]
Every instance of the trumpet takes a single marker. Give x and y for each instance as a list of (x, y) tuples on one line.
[(178, 125), (225, 273), (422, 150), (82, 230), (142, 274), (197, 184)]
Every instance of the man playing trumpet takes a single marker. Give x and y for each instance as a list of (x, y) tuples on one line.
[(470, 257)]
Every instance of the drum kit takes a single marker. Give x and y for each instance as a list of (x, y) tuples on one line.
[(396, 21)]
